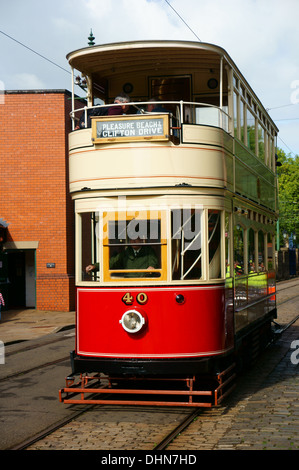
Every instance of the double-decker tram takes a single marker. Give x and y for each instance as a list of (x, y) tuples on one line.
[(172, 173)]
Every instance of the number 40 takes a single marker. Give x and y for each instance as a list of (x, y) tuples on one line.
[(128, 298)]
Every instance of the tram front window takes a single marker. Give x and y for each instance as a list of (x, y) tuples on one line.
[(88, 221), (214, 221), (134, 248), (186, 243)]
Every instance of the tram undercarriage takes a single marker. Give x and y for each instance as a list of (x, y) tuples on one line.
[(204, 382), (204, 391)]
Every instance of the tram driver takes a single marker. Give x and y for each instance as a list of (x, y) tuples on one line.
[(135, 256)]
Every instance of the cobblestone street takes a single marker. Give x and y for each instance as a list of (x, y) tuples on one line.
[(262, 413)]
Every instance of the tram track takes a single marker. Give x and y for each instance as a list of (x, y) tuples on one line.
[(278, 289), (50, 430), (28, 348), (287, 300), (164, 443), (32, 369), (35, 345), (189, 419)]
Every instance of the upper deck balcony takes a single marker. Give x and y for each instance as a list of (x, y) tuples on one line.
[(216, 133), (183, 143)]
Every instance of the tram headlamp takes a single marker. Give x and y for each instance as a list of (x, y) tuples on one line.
[(132, 321)]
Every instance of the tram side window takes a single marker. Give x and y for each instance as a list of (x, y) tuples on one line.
[(251, 251), (250, 131), (236, 115), (270, 251), (134, 248), (261, 142), (89, 246), (238, 250), (242, 120), (261, 248), (214, 238), (208, 113), (186, 243), (228, 259)]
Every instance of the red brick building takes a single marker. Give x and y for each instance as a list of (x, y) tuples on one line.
[(37, 262)]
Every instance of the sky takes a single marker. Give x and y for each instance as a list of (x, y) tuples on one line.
[(261, 36)]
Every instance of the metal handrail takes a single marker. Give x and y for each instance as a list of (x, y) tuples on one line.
[(180, 104)]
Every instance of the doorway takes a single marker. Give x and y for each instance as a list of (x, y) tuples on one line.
[(172, 88), (21, 277)]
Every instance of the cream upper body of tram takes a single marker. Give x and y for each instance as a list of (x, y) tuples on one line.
[(195, 181)]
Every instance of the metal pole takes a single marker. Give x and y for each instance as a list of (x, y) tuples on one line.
[(73, 101), (221, 90)]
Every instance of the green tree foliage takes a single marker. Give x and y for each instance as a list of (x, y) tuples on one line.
[(288, 180)]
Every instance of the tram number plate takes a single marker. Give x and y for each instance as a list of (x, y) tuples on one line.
[(128, 298)]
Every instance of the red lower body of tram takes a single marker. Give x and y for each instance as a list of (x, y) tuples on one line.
[(182, 328)]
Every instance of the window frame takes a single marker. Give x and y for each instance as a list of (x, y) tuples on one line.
[(107, 272), (104, 275)]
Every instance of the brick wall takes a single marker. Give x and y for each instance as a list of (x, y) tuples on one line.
[(34, 192)]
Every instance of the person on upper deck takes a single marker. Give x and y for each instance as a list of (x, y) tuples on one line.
[(122, 99), (96, 111), (154, 107)]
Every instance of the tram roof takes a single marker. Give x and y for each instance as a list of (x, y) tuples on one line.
[(116, 59), (148, 55)]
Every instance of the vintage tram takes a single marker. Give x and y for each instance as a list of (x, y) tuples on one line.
[(175, 196)]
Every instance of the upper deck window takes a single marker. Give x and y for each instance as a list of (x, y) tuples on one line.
[(242, 120), (250, 131), (236, 82), (251, 125), (236, 115), (261, 142)]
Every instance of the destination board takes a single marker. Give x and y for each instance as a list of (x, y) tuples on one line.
[(130, 128)]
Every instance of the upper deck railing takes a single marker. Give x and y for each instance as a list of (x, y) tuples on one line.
[(181, 112)]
